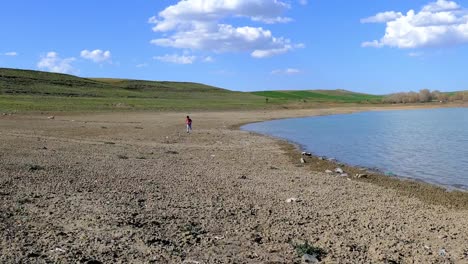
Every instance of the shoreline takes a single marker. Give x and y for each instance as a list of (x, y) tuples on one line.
[(432, 193)]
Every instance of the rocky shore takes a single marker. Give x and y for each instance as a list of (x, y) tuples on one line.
[(135, 188)]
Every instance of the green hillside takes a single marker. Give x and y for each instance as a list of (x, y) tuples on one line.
[(27, 90), (338, 96), (44, 91)]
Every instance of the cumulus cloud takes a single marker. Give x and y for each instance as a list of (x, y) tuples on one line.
[(437, 24), (289, 71), (97, 55), (440, 5), (199, 25), (53, 63), (11, 53)]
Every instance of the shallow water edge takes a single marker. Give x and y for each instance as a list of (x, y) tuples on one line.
[(430, 193)]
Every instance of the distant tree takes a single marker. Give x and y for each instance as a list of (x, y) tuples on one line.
[(413, 97), (435, 95), (443, 97), (424, 95), (458, 96)]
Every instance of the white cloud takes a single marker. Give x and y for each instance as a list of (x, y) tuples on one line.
[(289, 71), (438, 24), (177, 59), (97, 56), (53, 63), (199, 25), (208, 59), (373, 44), (440, 5), (11, 54), (382, 17), (303, 2)]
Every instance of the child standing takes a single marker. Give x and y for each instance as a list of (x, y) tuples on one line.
[(188, 122)]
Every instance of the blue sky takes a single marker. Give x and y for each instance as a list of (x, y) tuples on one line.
[(367, 46)]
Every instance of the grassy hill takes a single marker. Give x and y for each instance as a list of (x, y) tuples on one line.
[(26, 90), (337, 96), (33, 90)]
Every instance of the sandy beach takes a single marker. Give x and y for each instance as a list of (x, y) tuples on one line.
[(135, 188)]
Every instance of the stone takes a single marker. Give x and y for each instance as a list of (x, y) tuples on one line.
[(303, 160), (51, 117), (339, 170), (359, 176), (321, 158), (329, 171), (306, 258), (344, 175), (292, 199), (306, 154)]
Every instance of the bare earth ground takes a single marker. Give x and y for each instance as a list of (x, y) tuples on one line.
[(135, 188)]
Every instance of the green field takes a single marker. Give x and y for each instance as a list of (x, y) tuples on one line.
[(26, 90), (339, 96)]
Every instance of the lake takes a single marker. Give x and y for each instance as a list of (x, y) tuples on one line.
[(429, 145)]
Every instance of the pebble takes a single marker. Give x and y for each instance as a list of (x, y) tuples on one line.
[(344, 175), (339, 170), (303, 160), (328, 171), (292, 199), (306, 258)]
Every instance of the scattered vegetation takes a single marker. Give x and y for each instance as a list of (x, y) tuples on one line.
[(307, 248), (34, 167), (122, 157)]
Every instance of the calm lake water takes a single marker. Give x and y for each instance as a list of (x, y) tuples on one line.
[(429, 145)]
